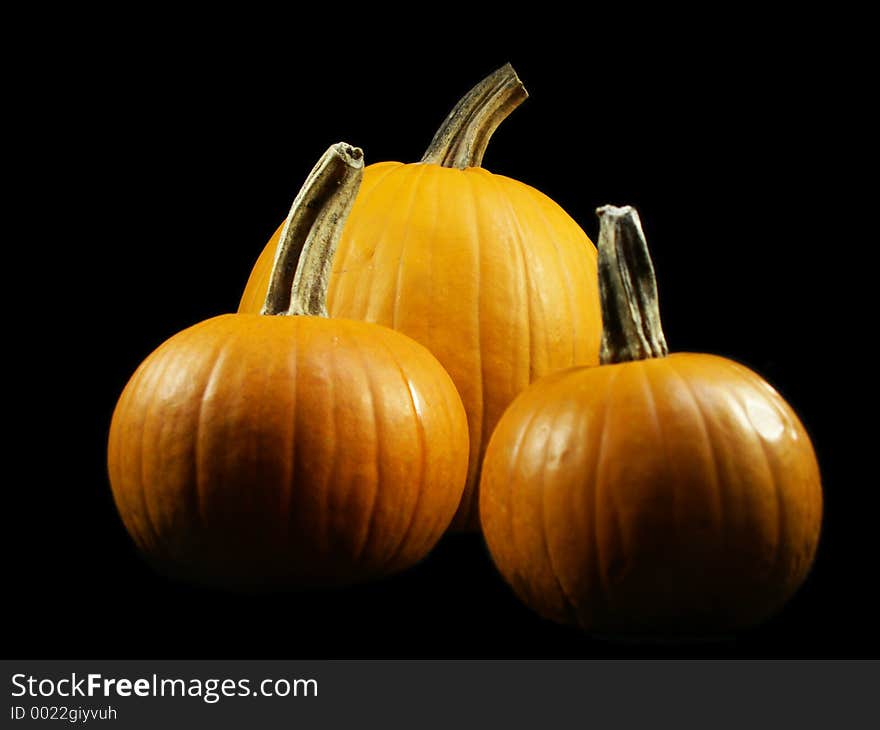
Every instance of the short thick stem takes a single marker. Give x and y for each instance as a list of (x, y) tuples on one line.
[(631, 328), (463, 137), (303, 259)]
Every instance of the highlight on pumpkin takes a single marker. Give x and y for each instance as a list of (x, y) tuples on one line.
[(488, 273), (660, 494), (290, 449)]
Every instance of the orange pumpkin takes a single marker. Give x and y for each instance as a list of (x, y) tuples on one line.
[(253, 450), (656, 493), (488, 273)]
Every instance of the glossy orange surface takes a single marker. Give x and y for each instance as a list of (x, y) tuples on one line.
[(261, 451), (677, 494), (488, 273)]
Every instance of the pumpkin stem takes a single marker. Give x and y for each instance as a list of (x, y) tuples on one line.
[(631, 328), (463, 137), (300, 274)]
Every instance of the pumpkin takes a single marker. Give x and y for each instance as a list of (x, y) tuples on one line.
[(253, 450), (654, 494), (488, 273)]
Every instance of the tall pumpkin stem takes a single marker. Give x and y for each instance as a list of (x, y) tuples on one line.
[(300, 274), (631, 328), (463, 137)]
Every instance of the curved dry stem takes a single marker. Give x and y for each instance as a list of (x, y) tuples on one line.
[(631, 328), (298, 283), (463, 137)]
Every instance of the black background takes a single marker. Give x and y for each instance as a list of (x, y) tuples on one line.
[(166, 152)]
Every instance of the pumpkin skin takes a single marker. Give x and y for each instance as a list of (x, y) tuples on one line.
[(669, 495), (256, 451), (491, 275)]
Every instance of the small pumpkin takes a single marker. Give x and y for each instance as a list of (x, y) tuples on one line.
[(657, 493), (255, 450), (487, 272)]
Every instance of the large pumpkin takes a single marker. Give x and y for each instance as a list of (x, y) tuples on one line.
[(257, 450), (488, 273), (656, 493)]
